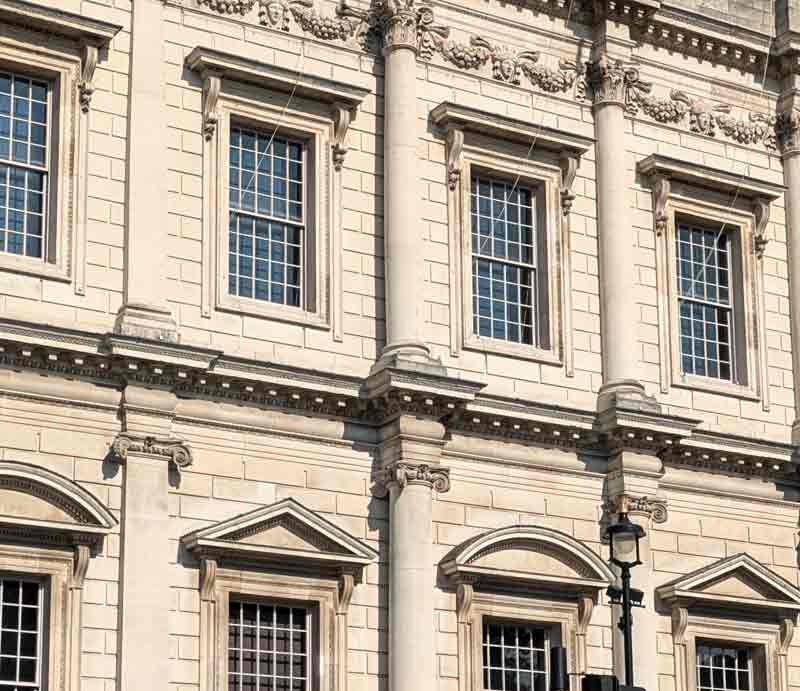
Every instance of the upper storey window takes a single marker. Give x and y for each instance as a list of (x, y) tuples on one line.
[(514, 656), (705, 301), (268, 230), (504, 267), (21, 644), (24, 164)]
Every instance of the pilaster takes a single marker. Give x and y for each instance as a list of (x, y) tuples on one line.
[(632, 488), (146, 451), (144, 312), (788, 129)]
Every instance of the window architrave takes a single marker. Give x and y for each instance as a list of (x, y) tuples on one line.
[(722, 199), (63, 49), (492, 579), (316, 109), (736, 600), (492, 142), (320, 565)]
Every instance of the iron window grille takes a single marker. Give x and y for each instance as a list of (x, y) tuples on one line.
[(504, 261), (724, 668), (24, 164), (267, 219), (514, 657), (269, 647), (21, 639)]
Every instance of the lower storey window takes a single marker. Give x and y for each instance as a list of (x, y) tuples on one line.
[(268, 647), (20, 635), (514, 657), (722, 668)]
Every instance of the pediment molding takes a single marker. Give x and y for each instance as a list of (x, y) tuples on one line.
[(39, 505), (286, 535), (735, 583), (531, 557)]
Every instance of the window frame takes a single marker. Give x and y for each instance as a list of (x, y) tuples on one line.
[(315, 133), (746, 315), (543, 181), (558, 618), (756, 660), (318, 595), (64, 234), (552, 636), (312, 628), (44, 626), (761, 637)]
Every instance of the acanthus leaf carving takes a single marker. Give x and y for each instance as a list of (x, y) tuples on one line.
[(787, 131), (610, 80)]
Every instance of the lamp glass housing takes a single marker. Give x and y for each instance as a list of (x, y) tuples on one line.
[(624, 537)]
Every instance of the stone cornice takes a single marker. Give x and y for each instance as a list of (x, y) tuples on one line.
[(201, 374), (50, 20)]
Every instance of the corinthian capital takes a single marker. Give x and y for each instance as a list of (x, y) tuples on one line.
[(610, 80), (401, 474), (787, 130), (410, 24)]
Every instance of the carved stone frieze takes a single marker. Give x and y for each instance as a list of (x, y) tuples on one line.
[(471, 56), (401, 474), (241, 7), (171, 449)]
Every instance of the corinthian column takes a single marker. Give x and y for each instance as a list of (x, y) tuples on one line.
[(410, 451), (403, 255), (618, 311), (789, 140)]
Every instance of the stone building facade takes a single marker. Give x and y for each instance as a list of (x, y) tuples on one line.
[(334, 335)]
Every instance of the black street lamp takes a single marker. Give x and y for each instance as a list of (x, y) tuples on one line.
[(623, 537)]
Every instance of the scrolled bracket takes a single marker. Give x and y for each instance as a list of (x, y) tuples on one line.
[(89, 57), (661, 190), (761, 208), (212, 84), (346, 586), (208, 578), (569, 169), (80, 566), (455, 162), (343, 115)]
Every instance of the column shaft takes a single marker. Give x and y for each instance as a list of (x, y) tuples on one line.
[(791, 175), (412, 647)]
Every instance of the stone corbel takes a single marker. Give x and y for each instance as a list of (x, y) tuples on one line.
[(464, 597), (455, 150), (680, 621), (89, 57), (212, 84), (569, 168), (208, 622), (761, 208), (661, 190), (785, 635), (343, 115), (346, 585), (172, 450), (585, 609), (80, 566)]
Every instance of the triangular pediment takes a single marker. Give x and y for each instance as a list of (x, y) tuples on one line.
[(286, 532), (739, 581)]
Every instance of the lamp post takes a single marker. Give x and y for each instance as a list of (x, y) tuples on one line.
[(623, 537)]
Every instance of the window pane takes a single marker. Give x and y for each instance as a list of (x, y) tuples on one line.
[(273, 652), (503, 250), (266, 189), (723, 668), (20, 632), (513, 656), (704, 301)]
